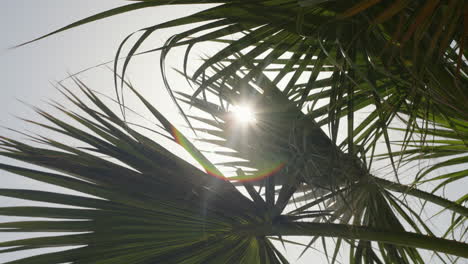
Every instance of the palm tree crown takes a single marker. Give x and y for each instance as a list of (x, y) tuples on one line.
[(336, 87)]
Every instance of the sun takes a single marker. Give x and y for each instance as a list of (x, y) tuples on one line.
[(243, 113)]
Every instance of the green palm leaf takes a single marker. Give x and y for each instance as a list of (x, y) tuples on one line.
[(131, 219)]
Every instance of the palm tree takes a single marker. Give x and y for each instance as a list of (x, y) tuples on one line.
[(356, 67)]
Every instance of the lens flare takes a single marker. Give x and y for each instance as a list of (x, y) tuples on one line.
[(213, 171), (243, 113)]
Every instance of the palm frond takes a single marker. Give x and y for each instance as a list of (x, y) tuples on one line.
[(373, 49), (348, 192), (151, 206), (441, 140)]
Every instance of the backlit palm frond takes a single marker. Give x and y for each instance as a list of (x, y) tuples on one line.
[(371, 205), (343, 189), (281, 133), (144, 204), (386, 55), (319, 38), (439, 145)]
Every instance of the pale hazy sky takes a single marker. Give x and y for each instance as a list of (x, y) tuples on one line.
[(26, 72)]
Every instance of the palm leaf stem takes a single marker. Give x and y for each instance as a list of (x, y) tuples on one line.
[(447, 204), (407, 239)]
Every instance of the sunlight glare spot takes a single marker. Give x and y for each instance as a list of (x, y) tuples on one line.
[(243, 113)]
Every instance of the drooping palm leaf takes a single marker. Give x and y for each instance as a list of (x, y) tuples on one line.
[(374, 50), (441, 145), (443, 138)]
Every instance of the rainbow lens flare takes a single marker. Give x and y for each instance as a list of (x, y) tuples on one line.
[(213, 171)]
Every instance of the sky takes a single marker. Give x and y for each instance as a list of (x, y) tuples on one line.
[(28, 73)]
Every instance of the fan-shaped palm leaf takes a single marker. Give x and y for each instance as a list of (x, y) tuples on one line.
[(154, 208)]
